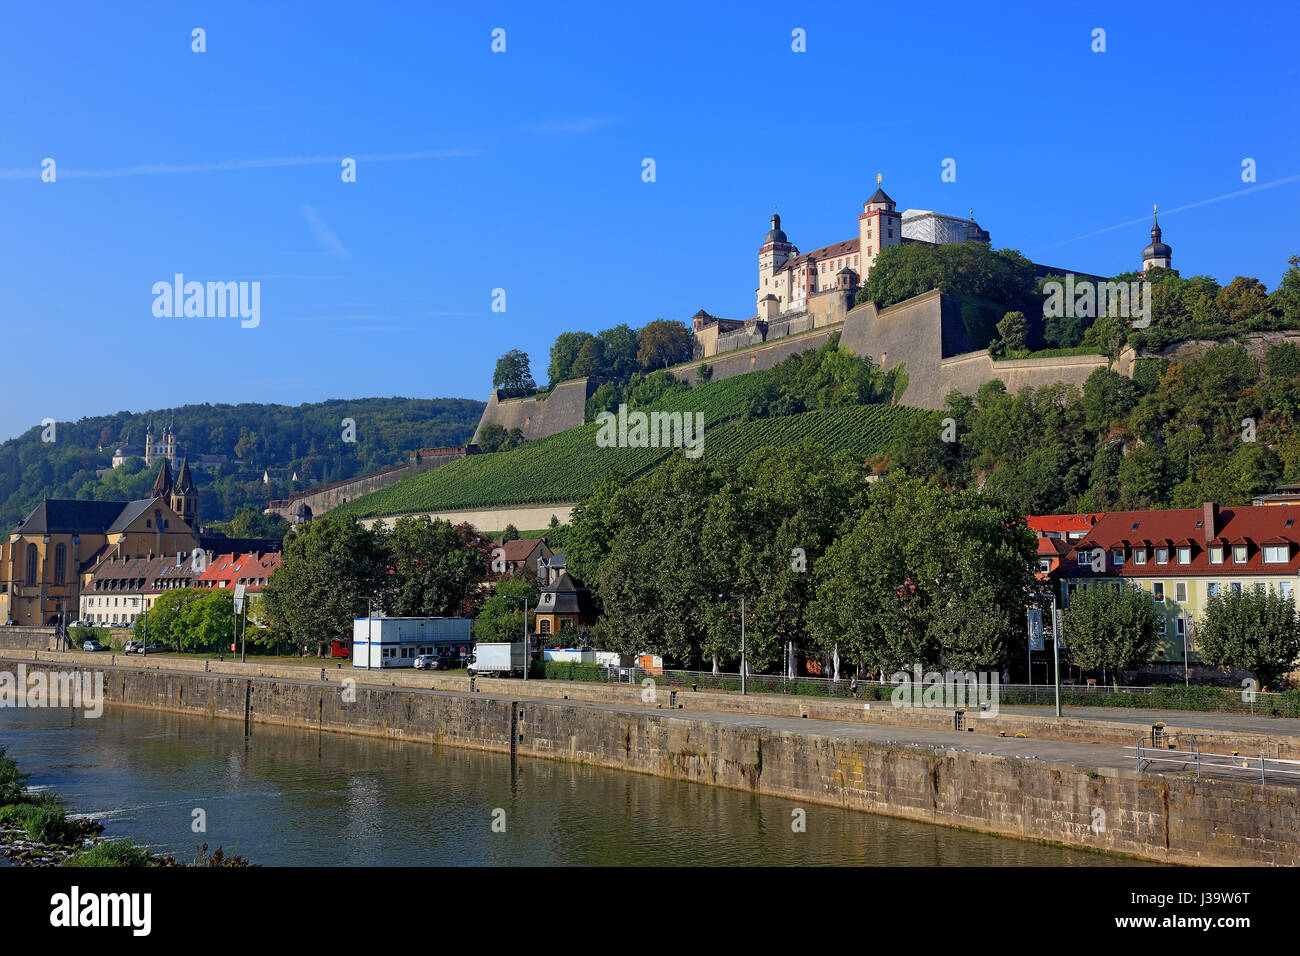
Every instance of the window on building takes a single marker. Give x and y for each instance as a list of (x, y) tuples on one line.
[(1180, 591), (1284, 589), (1261, 587), (31, 564), (1236, 587), (1083, 557), (1239, 554), (1162, 555), (1161, 625), (1157, 591), (1139, 555), (1180, 625), (1044, 565), (1117, 557), (546, 626), (1184, 555), (1216, 554), (1276, 554), (60, 564)]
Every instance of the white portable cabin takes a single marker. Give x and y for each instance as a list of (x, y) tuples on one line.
[(380, 642)]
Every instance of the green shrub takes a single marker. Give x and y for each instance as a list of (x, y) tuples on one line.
[(112, 853), (13, 785), (571, 670), (48, 823)]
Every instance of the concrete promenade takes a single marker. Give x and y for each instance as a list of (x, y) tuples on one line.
[(1091, 738)]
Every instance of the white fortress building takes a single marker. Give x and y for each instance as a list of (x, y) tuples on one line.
[(787, 279)]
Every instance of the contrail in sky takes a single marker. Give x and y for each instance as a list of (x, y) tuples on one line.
[(1169, 212), (165, 169)]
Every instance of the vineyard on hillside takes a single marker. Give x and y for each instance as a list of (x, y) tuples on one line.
[(863, 430), (564, 467)]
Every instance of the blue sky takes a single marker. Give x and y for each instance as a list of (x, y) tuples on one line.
[(522, 171)]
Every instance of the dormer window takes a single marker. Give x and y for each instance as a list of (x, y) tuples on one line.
[(1162, 555), (1117, 557), (1185, 555), (1276, 553), (1139, 555), (1083, 557), (1216, 554), (1238, 554)]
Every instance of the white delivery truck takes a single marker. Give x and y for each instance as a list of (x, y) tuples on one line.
[(497, 660)]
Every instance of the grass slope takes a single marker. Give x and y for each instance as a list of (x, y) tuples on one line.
[(564, 467)]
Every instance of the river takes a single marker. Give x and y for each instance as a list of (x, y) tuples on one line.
[(285, 796)]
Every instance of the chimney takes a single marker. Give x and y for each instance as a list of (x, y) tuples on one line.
[(1210, 520)]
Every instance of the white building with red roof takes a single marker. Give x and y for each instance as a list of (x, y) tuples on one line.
[(1185, 557)]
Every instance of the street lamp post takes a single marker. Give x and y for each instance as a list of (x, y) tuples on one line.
[(743, 668), (1056, 648)]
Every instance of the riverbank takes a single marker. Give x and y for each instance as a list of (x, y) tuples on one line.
[(1060, 791), (35, 830)]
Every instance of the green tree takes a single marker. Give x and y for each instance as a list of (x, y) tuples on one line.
[(208, 622), (1110, 627), (326, 564), (430, 569), (563, 353), (513, 373), (501, 617), (1013, 331), (1250, 629), (662, 343), (619, 346), (249, 522), (165, 622), (894, 589)]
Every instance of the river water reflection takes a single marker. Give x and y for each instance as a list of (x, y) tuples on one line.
[(285, 796)]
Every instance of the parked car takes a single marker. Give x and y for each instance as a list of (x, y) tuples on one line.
[(425, 662), (92, 645), (447, 662), (151, 649)]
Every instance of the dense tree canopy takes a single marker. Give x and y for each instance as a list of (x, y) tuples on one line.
[(308, 439), (1210, 427)]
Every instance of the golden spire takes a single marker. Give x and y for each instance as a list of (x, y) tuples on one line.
[(878, 178)]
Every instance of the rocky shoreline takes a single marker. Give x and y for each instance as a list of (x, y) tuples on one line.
[(35, 830), (17, 849)]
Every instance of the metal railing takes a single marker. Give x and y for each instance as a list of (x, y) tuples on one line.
[(1160, 697), (1204, 760)]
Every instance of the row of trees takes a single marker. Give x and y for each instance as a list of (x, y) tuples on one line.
[(888, 575), (612, 355), (419, 567), (1112, 628)]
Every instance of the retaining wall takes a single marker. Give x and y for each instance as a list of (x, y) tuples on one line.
[(1164, 817)]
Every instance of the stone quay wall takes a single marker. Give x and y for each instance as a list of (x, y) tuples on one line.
[(1171, 818)]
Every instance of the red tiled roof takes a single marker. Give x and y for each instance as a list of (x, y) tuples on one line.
[(519, 549), (226, 570), (846, 248), (1246, 525), (1052, 547), (1062, 523)]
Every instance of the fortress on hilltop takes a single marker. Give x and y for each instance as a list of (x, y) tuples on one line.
[(802, 299)]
